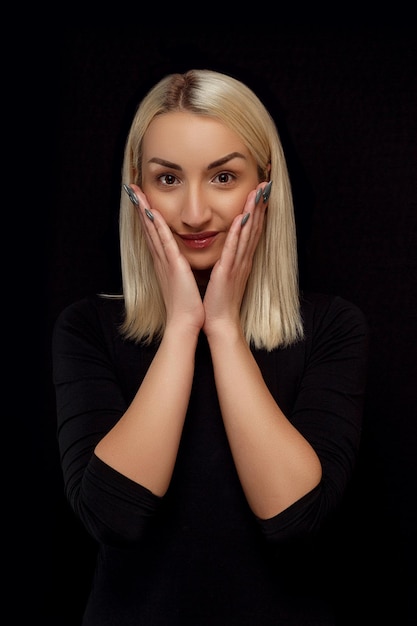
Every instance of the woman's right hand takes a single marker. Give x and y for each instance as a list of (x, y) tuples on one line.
[(182, 298)]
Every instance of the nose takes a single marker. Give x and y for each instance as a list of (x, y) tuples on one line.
[(195, 211)]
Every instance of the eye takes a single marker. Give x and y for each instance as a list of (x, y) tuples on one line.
[(224, 178), (167, 179)]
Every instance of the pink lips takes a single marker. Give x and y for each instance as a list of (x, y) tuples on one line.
[(199, 241)]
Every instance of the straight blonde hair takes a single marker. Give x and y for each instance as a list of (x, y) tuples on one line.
[(270, 311)]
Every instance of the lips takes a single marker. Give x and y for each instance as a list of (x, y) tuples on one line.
[(199, 241)]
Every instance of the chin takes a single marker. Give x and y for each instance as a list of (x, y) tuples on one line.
[(202, 260)]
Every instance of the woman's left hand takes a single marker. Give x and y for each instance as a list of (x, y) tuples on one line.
[(229, 276)]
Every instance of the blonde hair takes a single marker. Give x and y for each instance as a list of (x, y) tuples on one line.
[(270, 312)]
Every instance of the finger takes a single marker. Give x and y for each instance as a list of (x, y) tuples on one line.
[(251, 221), (239, 232), (257, 215), (246, 229), (165, 237), (156, 229)]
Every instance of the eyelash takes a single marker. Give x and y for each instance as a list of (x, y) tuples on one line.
[(161, 177), (161, 180)]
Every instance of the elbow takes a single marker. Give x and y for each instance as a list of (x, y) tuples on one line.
[(126, 528), (291, 491), (300, 519)]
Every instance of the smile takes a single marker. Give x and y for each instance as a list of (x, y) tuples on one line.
[(199, 241)]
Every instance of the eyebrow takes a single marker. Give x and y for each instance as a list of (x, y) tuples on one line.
[(217, 163)]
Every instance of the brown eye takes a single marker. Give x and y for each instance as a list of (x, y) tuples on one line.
[(167, 179), (224, 178)]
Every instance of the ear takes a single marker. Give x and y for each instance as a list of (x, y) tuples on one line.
[(268, 171)]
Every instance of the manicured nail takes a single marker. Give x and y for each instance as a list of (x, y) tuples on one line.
[(258, 195), (131, 194), (245, 219), (267, 191), (149, 214)]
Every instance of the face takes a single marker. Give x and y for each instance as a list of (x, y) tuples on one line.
[(197, 173)]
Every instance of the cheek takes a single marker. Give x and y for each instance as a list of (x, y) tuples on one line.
[(168, 204), (230, 204), (228, 209)]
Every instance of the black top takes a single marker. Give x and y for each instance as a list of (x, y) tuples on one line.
[(198, 556)]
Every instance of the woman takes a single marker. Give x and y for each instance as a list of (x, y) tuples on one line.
[(209, 418)]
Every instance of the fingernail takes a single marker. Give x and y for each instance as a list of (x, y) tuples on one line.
[(245, 219), (131, 194), (267, 191), (258, 195), (149, 214)]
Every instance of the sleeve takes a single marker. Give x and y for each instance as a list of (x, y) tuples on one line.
[(89, 402), (328, 411)]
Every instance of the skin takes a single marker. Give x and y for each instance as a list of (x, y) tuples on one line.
[(209, 185)]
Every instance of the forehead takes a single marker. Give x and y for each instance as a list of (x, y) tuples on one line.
[(182, 132)]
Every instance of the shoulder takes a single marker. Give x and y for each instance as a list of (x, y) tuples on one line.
[(326, 311), (94, 313)]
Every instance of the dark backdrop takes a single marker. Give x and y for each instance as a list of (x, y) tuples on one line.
[(345, 101)]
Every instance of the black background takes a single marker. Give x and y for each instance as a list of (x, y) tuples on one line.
[(345, 102)]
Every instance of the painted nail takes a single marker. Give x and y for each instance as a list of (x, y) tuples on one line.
[(131, 194), (149, 215), (267, 191), (245, 219), (258, 195)]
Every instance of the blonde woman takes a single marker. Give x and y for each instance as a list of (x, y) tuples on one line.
[(210, 416)]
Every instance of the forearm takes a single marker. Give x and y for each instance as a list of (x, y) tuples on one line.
[(143, 445), (275, 463)]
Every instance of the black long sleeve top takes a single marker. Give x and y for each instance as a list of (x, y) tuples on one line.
[(198, 556)]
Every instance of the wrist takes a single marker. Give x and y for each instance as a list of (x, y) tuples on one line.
[(224, 334), (181, 333)]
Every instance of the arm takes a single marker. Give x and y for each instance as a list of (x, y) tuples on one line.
[(95, 376), (279, 458), (143, 445), (275, 463), (325, 406), (136, 445)]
